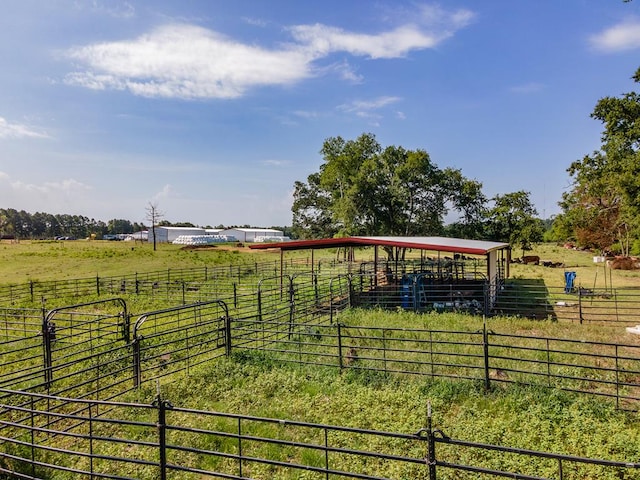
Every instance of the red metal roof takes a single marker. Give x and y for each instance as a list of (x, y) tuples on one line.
[(438, 244)]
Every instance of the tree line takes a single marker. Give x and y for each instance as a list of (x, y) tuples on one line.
[(20, 224)]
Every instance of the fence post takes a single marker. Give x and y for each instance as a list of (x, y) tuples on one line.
[(235, 295), (617, 381), (431, 445), (486, 295), (340, 345), (48, 335), (31, 289), (580, 304), (428, 433), (137, 373), (227, 333), (292, 306), (485, 348), (126, 326), (98, 285), (162, 406)]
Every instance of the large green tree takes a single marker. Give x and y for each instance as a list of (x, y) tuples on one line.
[(365, 189), (603, 205), (513, 219)]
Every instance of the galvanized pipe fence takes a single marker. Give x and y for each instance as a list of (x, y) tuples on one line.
[(89, 353), (45, 436), (293, 319)]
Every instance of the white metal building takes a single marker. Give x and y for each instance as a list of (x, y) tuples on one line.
[(250, 234), (169, 234)]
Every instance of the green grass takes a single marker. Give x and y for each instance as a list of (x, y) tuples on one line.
[(257, 384), (528, 418), (55, 260)]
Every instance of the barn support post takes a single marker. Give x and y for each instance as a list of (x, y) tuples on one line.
[(375, 265)]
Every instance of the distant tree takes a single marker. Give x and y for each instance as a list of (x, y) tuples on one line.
[(119, 226), (153, 215), (286, 231), (513, 220), (312, 216)]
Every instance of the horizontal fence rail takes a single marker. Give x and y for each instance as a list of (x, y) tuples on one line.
[(159, 440), (607, 370), (90, 353)]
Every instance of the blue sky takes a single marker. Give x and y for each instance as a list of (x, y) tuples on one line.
[(213, 109)]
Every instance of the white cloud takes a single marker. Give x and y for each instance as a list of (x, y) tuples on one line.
[(430, 27), (66, 196), (321, 40), (620, 37), (167, 192), (16, 130), (185, 61), (365, 108), (68, 186), (190, 62)]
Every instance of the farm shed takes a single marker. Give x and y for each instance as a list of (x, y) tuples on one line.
[(169, 234), (441, 265), (250, 234)]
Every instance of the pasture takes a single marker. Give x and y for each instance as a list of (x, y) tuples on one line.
[(272, 383)]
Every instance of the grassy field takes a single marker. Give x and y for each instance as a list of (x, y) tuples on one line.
[(51, 260), (256, 384), (55, 260), (518, 417)]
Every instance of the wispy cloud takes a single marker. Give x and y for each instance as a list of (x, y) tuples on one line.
[(366, 108), (167, 191), (190, 62), (621, 37), (527, 88), (112, 8), (274, 163), (256, 22), (17, 130), (427, 28), (369, 109), (65, 186)]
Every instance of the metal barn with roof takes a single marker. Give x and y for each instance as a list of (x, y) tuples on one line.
[(451, 273)]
